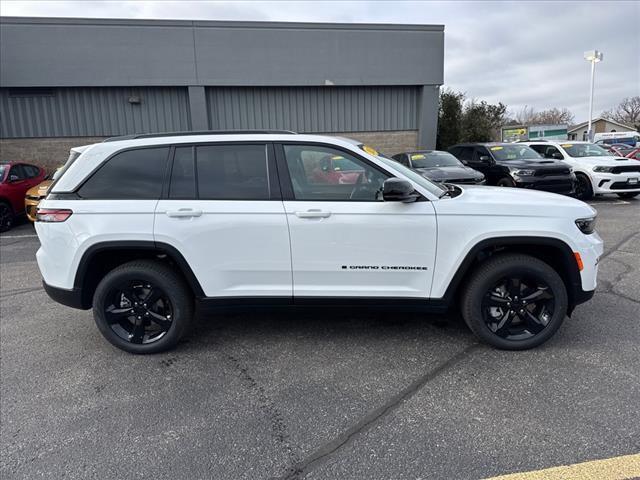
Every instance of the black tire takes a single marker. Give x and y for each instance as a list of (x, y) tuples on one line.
[(628, 194), (155, 327), (506, 182), (584, 189), (516, 332), (7, 216)]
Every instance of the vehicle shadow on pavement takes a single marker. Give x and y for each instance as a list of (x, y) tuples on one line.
[(310, 323)]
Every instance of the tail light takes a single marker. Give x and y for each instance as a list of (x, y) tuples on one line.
[(52, 215)]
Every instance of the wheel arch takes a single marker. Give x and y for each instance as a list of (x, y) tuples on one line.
[(555, 252), (101, 258)]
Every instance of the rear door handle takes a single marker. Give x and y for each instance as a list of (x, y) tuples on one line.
[(184, 212), (313, 214)]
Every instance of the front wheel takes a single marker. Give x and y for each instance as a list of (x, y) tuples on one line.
[(514, 302), (6, 217), (628, 194), (505, 182), (584, 189), (143, 307)]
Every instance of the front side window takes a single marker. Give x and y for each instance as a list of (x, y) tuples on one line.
[(232, 172), (324, 173), (17, 173), (513, 152), (129, 175)]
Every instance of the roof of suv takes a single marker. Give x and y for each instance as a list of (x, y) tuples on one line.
[(197, 132)]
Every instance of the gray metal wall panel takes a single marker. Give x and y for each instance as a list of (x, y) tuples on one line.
[(93, 52), (94, 112), (314, 109)]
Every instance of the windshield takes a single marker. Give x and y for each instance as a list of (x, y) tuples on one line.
[(513, 152), (433, 159), (2, 170), (578, 150)]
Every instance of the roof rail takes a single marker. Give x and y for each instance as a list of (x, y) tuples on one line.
[(198, 132)]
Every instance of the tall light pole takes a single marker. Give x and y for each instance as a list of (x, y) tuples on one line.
[(593, 56)]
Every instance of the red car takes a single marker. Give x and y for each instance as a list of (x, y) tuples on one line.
[(15, 179), (634, 154), (335, 169)]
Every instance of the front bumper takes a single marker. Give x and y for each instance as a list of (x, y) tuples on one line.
[(564, 184), (615, 182), (30, 207)]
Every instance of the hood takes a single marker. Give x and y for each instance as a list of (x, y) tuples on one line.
[(513, 202), (40, 190), (449, 173), (605, 161), (533, 163)]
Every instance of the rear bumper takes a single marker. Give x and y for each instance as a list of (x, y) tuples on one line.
[(71, 298)]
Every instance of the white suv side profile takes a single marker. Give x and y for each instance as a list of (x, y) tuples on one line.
[(597, 171), (148, 230)]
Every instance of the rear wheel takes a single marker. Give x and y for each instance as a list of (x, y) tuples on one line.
[(628, 194), (143, 307), (584, 189), (514, 302), (6, 217)]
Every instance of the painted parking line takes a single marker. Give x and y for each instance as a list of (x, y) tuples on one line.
[(18, 236), (617, 468), (615, 202)]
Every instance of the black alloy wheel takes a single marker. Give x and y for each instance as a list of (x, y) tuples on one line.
[(143, 306), (6, 217), (139, 312), (518, 308), (514, 301), (583, 190), (505, 182)]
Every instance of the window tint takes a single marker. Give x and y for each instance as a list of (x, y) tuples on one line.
[(133, 174), (317, 173), (465, 153), (183, 179), (232, 172), (17, 171), (31, 171)]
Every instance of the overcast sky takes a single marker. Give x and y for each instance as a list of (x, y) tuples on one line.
[(519, 53)]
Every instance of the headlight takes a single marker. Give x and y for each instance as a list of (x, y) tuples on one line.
[(522, 173), (602, 169), (586, 225)]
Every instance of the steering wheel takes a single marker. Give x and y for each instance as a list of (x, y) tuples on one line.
[(359, 187)]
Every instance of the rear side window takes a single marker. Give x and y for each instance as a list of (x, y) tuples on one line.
[(232, 172), (31, 171), (130, 175)]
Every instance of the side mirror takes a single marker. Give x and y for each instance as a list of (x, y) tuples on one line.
[(557, 156), (14, 178), (398, 190), (485, 159)]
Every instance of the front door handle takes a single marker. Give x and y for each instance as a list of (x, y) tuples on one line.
[(184, 212), (313, 214)]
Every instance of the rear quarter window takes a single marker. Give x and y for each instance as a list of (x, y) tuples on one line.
[(129, 175)]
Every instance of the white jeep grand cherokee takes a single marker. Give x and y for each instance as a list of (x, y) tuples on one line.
[(150, 229)]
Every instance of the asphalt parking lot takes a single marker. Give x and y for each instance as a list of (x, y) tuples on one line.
[(318, 395)]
